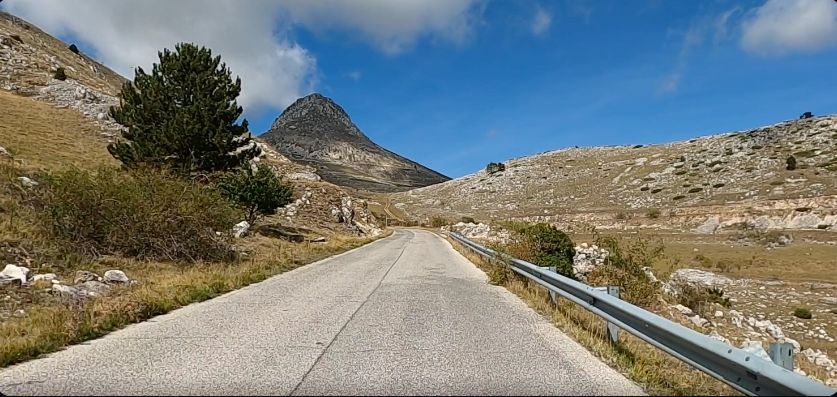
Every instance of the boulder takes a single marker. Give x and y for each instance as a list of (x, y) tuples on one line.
[(755, 348), (116, 277), (303, 176), (699, 277), (699, 321), (94, 288), (84, 276), (280, 232), (829, 300), (66, 291), (240, 229), (45, 277), (4, 152), (683, 309), (709, 227), (16, 273)]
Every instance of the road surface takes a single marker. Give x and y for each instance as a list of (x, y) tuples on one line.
[(403, 315)]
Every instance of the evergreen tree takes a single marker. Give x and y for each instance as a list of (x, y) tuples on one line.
[(183, 115), (260, 192)]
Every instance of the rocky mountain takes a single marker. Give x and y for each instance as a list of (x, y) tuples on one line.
[(317, 132), (734, 179)]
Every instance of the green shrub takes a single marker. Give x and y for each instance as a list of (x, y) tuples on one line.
[(653, 213), (790, 163), (493, 168), (802, 312), (438, 221), (142, 214), (59, 74), (624, 268), (549, 246), (467, 219), (259, 193), (697, 297)]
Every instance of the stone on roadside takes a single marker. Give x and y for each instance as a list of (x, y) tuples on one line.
[(94, 288), (66, 291), (27, 182), (683, 309), (240, 229), (116, 277), (755, 348), (16, 273), (45, 277), (699, 321)]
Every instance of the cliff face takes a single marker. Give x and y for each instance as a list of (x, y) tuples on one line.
[(316, 131)]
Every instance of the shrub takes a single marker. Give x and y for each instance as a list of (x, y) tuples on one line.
[(802, 312), (59, 74), (438, 221), (493, 168), (791, 163), (143, 214), (545, 245), (696, 297), (624, 268), (73, 48), (259, 193), (695, 190), (183, 115), (653, 213), (467, 219)]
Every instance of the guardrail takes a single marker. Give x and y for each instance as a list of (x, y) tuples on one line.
[(740, 369)]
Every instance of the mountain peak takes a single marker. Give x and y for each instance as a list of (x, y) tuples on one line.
[(319, 109), (317, 132)]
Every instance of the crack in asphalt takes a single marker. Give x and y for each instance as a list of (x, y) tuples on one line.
[(381, 281)]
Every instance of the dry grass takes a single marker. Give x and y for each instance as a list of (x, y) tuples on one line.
[(40, 136), (800, 261), (656, 371), (50, 325)]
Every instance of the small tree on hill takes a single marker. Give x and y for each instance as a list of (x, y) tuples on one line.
[(791, 163), (492, 168), (59, 74), (183, 115), (260, 192)]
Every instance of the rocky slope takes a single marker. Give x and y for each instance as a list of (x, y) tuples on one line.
[(718, 181), (316, 131)]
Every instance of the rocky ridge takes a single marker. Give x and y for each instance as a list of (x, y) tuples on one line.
[(741, 178), (317, 132)]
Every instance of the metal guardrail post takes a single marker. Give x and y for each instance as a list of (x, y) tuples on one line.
[(613, 329), (782, 354)]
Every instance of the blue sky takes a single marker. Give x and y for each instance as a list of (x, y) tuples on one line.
[(503, 79)]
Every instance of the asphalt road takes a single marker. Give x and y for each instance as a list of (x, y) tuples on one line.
[(403, 315)]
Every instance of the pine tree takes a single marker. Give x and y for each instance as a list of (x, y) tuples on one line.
[(183, 115)]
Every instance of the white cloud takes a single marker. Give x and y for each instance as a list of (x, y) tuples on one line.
[(253, 37), (393, 26), (785, 26), (541, 22), (125, 34)]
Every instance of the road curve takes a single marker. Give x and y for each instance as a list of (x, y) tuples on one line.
[(403, 315)]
